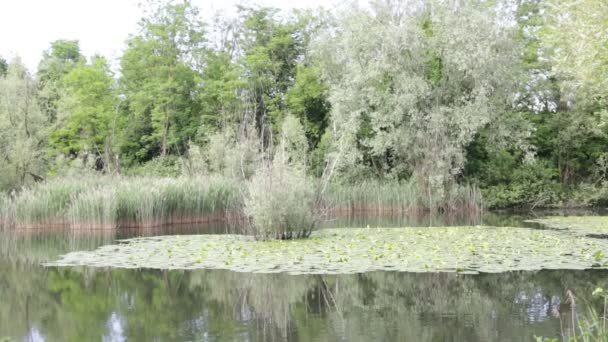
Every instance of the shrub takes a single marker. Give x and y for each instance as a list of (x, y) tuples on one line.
[(167, 166), (531, 185), (280, 202)]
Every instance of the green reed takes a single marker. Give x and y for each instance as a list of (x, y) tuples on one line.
[(114, 202), (400, 196), (118, 202)]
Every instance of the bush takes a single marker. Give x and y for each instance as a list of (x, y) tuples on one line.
[(280, 202), (168, 166), (532, 185)]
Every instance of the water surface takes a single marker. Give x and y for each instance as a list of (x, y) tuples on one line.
[(81, 304)]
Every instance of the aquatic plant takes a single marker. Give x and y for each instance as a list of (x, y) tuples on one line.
[(114, 202), (280, 202), (282, 197), (592, 326), (581, 225), (400, 196), (432, 249), (46, 204)]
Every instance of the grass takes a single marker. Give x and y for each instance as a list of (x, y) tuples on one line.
[(590, 328), (115, 202), (386, 197), (112, 202)]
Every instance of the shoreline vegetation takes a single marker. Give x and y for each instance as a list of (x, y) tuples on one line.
[(115, 202), (301, 115)]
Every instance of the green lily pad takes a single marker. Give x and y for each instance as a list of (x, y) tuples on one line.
[(433, 249), (595, 226)]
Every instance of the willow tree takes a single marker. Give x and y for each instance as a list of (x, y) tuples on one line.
[(410, 85), (576, 35), (575, 41), (22, 128)]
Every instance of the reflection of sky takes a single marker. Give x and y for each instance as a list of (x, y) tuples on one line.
[(34, 336), (116, 331), (537, 306)]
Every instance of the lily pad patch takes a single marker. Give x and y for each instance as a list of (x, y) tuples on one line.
[(337, 251)]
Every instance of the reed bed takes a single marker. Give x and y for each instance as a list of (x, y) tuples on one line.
[(405, 196), (117, 202), (139, 202)]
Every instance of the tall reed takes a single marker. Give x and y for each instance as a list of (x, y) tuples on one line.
[(400, 196), (119, 202), (115, 202)]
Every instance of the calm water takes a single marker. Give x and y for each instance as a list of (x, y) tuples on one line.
[(79, 304)]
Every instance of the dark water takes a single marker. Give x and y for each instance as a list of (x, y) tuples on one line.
[(80, 304)]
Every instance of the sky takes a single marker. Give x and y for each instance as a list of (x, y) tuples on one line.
[(27, 27)]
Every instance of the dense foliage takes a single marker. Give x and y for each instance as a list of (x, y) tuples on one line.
[(509, 96)]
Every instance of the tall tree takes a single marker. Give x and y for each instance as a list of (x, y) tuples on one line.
[(411, 85), (271, 47), (307, 100), (575, 41), (87, 112), (3, 67), (576, 35), (57, 61), (22, 128), (160, 82)]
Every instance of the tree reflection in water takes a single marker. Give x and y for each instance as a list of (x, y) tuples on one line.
[(114, 305)]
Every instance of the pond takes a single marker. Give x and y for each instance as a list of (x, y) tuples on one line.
[(91, 304)]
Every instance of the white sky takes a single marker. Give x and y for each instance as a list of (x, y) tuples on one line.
[(27, 27)]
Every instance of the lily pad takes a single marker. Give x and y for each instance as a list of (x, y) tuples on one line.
[(593, 226), (433, 249)]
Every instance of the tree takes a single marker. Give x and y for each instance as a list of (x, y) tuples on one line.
[(565, 128), (410, 86), (307, 100), (3, 67), (576, 35), (22, 128), (574, 39), (87, 112), (221, 103), (271, 49), (57, 61), (160, 82)]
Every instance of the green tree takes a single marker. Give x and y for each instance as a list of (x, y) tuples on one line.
[(307, 100), (410, 89), (271, 49), (87, 112), (22, 128), (576, 37), (220, 100), (3, 67), (566, 131), (160, 82), (57, 61)]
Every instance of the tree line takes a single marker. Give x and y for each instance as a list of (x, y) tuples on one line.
[(509, 95)]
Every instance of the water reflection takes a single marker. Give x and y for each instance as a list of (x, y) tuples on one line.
[(119, 305), (81, 304)]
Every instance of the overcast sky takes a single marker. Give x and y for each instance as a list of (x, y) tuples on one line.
[(28, 26)]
